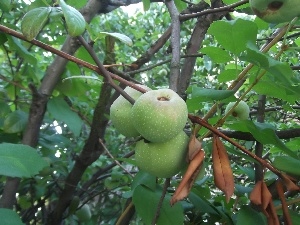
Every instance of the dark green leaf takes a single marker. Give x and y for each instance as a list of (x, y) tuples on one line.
[(287, 164), (33, 22), (17, 160), (9, 217), (146, 201), (5, 5), (205, 94), (61, 111), (15, 122), (248, 216), (16, 45), (202, 204), (74, 20), (144, 178)]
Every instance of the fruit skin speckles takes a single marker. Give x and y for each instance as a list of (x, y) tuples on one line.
[(120, 112), (162, 159), (159, 115)]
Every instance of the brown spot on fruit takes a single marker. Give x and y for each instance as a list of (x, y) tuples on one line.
[(234, 114), (274, 6)]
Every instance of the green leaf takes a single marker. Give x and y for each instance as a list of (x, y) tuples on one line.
[(234, 35), (202, 204), (15, 44), (287, 164), (15, 122), (205, 94), (144, 178), (216, 54), (248, 216), (18, 160), (61, 111), (5, 5), (228, 75), (180, 5), (122, 37), (33, 21), (146, 4), (74, 20), (9, 217), (146, 201), (264, 133)]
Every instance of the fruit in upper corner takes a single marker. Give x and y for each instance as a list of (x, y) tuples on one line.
[(276, 11), (159, 115), (162, 159), (241, 111), (120, 112)]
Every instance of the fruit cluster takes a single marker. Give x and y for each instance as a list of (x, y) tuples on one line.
[(159, 116)]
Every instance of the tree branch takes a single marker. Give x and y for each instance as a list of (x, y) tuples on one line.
[(175, 43)]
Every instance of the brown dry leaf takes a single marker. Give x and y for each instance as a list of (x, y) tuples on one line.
[(256, 194), (285, 210), (223, 175), (290, 185), (194, 147), (189, 177), (272, 218), (266, 198)]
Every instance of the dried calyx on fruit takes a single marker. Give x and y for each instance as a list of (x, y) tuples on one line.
[(276, 11)]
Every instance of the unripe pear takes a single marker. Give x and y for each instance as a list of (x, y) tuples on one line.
[(120, 112), (162, 159), (276, 11), (159, 115), (241, 111)]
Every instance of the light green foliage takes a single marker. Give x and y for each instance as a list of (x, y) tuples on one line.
[(162, 159), (17, 160), (34, 21), (84, 213)]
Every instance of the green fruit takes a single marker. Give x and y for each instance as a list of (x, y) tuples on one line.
[(241, 111), (159, 115), (84, 213), (120, 112), (276, 11), (162, 159)]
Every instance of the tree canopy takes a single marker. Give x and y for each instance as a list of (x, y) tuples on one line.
[(64, 63)]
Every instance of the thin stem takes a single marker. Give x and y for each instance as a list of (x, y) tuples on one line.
[(161, 200)]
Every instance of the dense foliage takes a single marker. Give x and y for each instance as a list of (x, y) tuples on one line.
[(62, 161)]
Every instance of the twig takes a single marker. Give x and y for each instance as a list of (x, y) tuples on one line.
[(111, 156), (103, 70), (228, 8), (161, 200)]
